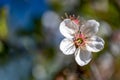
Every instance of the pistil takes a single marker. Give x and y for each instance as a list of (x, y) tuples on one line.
[(79, 40)]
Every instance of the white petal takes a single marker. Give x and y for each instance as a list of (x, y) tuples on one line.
[(95, 44), (82, 57), (67, 46), (90, 28), (68, 28)]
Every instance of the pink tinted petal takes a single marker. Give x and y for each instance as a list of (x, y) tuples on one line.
[(68, 28), (67, 46), (90, 28), (82, 57)]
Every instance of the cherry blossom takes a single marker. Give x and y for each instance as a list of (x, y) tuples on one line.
[(80, 39)]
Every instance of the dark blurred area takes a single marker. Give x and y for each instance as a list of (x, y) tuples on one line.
[(30, 37)]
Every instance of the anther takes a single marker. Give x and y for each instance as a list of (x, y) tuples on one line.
[(73, 15), (66, 15), (62, 18), (78, 17)]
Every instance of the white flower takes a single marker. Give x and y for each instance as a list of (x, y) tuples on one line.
[(80, 40)]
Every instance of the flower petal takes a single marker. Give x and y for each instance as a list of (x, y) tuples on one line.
[(95, 44), (67, 46), (82, 57), (68, 28), (90, 28)]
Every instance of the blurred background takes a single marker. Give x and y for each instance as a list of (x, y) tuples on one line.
[(30, 38)]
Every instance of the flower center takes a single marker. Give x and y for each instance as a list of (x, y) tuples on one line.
[(79, 40)]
